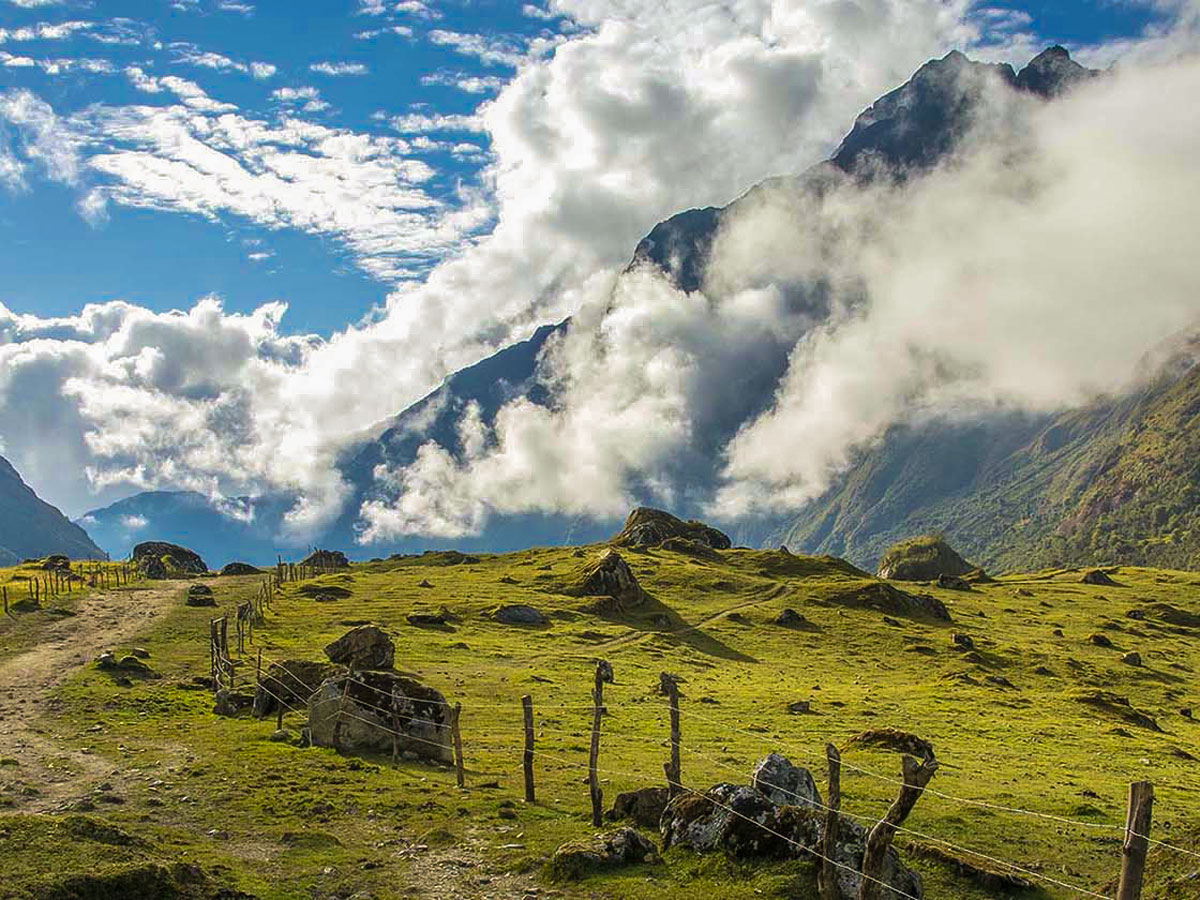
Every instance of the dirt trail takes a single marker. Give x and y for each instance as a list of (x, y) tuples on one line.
[(48, 773)]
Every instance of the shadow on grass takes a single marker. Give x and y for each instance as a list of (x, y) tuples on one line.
[(652, 616)]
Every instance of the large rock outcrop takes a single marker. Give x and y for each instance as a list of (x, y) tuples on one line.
[(924, 558), (608, 575), (158, 559), (361, 712), (326, 559), (646, 527), (885, 598), (746, 823)]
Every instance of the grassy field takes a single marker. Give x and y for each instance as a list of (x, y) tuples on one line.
[(1019, 723)]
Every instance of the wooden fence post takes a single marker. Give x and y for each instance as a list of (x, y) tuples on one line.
[(828, 873), (5, 591), (916, 776), (456, 735), (604, 673), (667, 685), (396, 706), (1137, 833), (527, 709)]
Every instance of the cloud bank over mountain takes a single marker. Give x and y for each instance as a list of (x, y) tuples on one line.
[(625, 114)]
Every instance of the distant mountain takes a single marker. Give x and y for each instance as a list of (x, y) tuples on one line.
[(30, 527), (1117, 481), (892, 492)]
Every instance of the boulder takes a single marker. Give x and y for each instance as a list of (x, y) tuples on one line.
[(642, 807), (57, 563), (426, 620), (886, 598), (240, 568), (1098, 577), (690, 548), (175, 560), (291, 681), (646, 527), (962, 642), (326, 559), (365, 647), (519, 614), (231, 703), (200, 595), (744, 824), (354, 713), (1132, 658), (608, 575), (924, 558), (1100, 640), (152, 568), (953, 583), (784, 784), (623, 847), (789, 618)]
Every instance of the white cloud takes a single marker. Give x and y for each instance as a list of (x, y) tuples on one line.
[(191, 55), (134, 523), (262, 70), (307, 98), (45, 31), (470, 84), (423, 123), (492, 51), (401, 30), (338, 68)]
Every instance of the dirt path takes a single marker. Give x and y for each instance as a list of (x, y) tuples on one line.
[(47, 773)]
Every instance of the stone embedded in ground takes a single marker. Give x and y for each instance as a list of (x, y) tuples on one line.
[(789, 618), (519, 614), (1099, 577), (646, 527), (240, 568), (426, 620), (231, 703), (1100, 640), (365, 647), (200, 595), (962, 641), (611, 850), (953, 583), (886, 598), (1132, 658), (326, 559), (354, 713), (291, 682), (783, 783), (642, 807)]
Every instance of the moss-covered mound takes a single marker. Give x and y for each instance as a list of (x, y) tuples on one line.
[(158, 559), (646, 527), (924, 558)]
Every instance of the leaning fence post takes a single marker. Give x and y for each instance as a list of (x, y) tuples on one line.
[(1137, 834), (916, 776), (604, 673), (456, 735), (5, 592), (527, 709), (828, 873), (667, 685)]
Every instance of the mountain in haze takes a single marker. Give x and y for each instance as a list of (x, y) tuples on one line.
[(31, 527), (918, 479)]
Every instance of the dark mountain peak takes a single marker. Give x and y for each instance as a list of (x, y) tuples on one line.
[(1052, 72), (679, 246), (30, 527), (919, 123)]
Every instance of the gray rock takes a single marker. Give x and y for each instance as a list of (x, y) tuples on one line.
[(291, 682), (519, 614), (365, 647), (1133, 658), (642, 807), (785, 784), (199, 595), (354, 713), (608, 575)]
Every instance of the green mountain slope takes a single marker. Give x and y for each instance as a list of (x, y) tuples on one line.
[(1117, 480), (31, 527)]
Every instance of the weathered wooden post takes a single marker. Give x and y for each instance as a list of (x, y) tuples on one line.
[(916, 777), (827, 877), (604, 673), (1137, 834), (4, 590), (396, 707), (527, 709), (669, 686), (456, 736)]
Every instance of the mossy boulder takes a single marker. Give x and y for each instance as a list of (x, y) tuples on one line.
[(326, 559), (924, 558), (646, 527), (240, 568), (608, 575), (158, 559), (623, 847)]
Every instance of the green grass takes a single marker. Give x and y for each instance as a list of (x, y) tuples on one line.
[(304, 822)]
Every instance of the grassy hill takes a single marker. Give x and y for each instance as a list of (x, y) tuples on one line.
[(31, 527), (1033, 718), (1117, 480)]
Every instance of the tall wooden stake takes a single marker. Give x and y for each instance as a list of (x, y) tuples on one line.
[(1137, 832), (604, 673), (527, 708), (670, 687), (916, 776), (828, 874), (395, 725), (456, 735)]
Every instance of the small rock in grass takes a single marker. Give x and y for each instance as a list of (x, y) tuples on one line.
[(1100, 640), (1132, 658)]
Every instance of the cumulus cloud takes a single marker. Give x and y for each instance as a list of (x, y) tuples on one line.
[(338, 68)]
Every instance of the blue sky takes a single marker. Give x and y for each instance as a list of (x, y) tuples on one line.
[(407, 58), (236, 236)]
